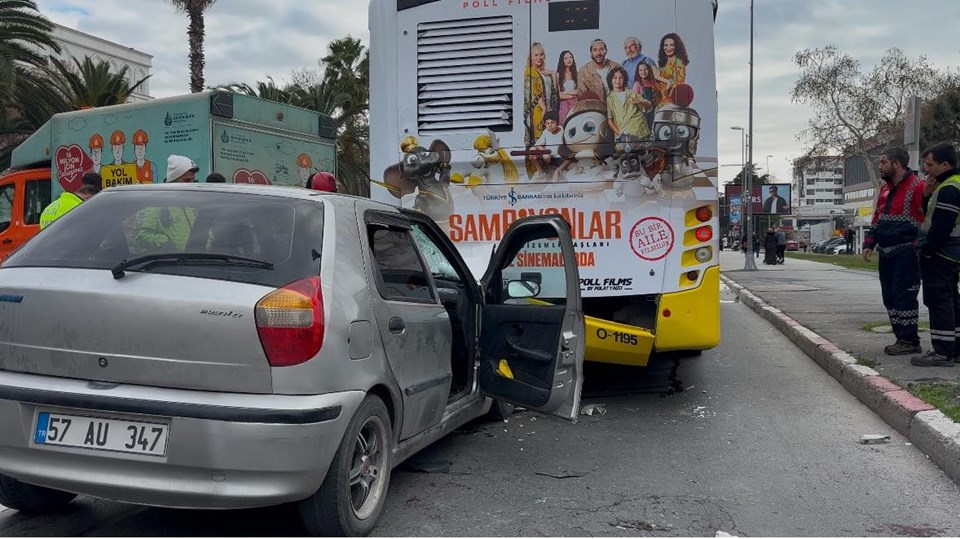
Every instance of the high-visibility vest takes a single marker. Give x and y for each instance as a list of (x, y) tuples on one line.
[(58, 208)]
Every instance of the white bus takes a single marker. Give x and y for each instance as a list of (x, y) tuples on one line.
[(603, 111)]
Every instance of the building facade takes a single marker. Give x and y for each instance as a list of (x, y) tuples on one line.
[(819, 187), (77, 44)]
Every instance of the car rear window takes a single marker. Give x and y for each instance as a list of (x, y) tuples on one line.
[(120, 225)]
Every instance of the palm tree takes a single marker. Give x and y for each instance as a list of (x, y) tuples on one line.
[(196, 34), (264, 90), (340, 90), (344, 95), (24, 33), (60, 87), (91, 84)]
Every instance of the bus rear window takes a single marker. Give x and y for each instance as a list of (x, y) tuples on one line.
[(575, 15)]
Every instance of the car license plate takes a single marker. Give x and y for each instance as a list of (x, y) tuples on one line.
[(101, 434)]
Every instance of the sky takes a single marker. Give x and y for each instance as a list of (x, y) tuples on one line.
[(247, 40)]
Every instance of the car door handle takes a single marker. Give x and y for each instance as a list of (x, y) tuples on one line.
[(520, 352), (396, 325), (7, 241)]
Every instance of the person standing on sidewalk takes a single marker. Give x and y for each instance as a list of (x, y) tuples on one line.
[(781, 245), (939, 245), (893, 235)]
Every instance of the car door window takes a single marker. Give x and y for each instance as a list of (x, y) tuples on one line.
[(402, 276), (440, 266), (536, 271), (7, 193), (37, 198)]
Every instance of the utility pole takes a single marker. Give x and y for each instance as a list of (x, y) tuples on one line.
[(751, 263)]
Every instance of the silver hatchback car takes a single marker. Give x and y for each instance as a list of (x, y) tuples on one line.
[(226, 346)]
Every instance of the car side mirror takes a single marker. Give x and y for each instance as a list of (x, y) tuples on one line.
[(532, 276), (449, 295), (523, 289)]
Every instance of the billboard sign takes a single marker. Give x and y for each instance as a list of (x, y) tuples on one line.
[(768, 199)]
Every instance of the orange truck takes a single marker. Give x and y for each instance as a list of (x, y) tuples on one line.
[(248, 140)]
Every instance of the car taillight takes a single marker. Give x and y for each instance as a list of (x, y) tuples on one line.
[(290, 322)]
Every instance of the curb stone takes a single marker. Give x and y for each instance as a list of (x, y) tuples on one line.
[(927, 428)]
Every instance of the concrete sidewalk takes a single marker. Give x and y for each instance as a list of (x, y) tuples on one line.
[(836, 303), (824, 309)]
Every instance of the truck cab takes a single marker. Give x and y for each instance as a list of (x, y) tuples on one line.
[(23, 196)]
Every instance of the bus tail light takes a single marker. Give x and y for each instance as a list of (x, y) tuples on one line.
[(692, 275), (290, 322), (704, 254), (704, 234), (704, 214)]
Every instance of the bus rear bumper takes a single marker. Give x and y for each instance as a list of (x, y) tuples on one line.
[(688, 320)]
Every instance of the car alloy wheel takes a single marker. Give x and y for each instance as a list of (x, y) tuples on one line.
[(353, 493), (368, 463)]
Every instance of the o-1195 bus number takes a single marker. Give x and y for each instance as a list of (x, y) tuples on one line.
[(617, 336)]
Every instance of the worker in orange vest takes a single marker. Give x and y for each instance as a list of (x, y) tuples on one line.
[(146, 171)]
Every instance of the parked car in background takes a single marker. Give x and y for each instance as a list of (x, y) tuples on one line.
[(825, 246), (217, 346), (792, 245), (837, 248)]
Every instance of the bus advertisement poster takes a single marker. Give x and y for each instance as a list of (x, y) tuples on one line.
[(608, 120), (766, 199)]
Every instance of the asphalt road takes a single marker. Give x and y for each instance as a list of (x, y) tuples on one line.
[(761, 442)]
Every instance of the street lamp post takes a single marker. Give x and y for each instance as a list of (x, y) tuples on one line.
[(744, 197), (768, 165), (750, 263)]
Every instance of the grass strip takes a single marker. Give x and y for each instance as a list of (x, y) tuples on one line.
[(945, 396), (846, 261)]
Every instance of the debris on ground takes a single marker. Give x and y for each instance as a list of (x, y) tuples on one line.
[(874, 438), (562, 475), (723, 534), (427, 466), (590, 409)]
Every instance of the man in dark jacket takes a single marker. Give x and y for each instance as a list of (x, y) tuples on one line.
[(939, 244), (893, 234), (775, 203)]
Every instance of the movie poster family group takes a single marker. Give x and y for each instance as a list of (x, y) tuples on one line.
[(617, 130)]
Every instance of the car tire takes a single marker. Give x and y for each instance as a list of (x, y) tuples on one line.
[(500, 411), (352, 495), (32, 499)]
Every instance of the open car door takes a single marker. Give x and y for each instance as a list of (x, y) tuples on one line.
[(532, 327)]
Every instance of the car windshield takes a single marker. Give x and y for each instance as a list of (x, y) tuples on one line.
[(116, 226)]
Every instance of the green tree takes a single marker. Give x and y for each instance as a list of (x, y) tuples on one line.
[(338, 88), (940, 121), (263, 90), (342, 91), (24, 96), (855, 111), (196, 34), (91, 84), (60, 87), (758, 179)]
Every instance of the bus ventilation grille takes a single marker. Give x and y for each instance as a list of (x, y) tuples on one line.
[(465, 75)]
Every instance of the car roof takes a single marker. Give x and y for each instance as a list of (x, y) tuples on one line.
[(250, 189)]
